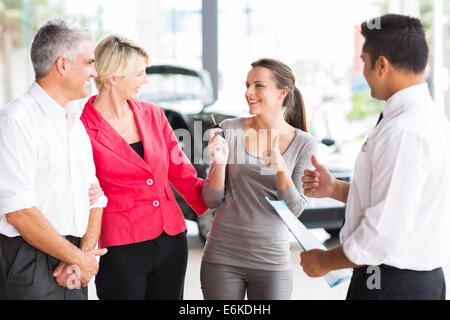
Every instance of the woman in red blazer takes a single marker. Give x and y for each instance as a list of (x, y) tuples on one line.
[(137, 157)]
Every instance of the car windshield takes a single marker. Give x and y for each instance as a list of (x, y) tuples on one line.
[(173, 87)]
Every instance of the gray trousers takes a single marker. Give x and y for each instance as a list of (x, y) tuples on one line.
[(26, 273), (223, 282)]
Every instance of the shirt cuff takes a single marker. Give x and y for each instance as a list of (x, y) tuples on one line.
[(294, 199), (356, 255), (100, 203), (17, 202), (290, 194), (212, 197)]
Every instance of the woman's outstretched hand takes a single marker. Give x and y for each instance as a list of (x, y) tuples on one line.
[(218, 148)]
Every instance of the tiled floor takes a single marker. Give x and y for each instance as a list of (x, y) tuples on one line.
[(305, 288)]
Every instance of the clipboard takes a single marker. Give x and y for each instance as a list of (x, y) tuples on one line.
[(307, 241)]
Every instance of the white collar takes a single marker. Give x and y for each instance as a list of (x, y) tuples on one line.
[(48, 105), (396, 103), (51, 108)]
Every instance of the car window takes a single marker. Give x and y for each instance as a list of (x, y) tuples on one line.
[(171, 86)]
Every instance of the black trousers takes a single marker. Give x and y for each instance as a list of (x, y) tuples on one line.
[(26, 273), (150, 270), (396, 284)]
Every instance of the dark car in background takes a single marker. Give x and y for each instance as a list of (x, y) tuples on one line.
[(186, 96)]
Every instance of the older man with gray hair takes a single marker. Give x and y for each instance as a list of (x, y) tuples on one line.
[(48, 229)]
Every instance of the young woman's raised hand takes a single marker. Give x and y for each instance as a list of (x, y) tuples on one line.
[(217, 147)]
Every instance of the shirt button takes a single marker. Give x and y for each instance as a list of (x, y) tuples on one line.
[(149, 182), (156, 203)]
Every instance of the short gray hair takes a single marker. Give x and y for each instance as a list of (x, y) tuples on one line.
[(59, 37)]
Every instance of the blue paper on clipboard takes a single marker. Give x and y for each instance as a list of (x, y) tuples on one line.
[(306, 240)]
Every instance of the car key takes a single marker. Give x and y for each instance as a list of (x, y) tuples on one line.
[(217, 126)]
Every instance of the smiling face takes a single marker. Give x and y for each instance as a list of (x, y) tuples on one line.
[(377, 76), (369, 73), (128, 85), (81, 71), (263, 95)]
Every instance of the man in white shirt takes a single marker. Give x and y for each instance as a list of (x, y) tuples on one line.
[(398, 203), (48, 231)]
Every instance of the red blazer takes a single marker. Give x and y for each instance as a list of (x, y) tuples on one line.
[(141, 203)]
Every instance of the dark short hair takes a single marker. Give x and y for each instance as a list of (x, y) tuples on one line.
[(399, 38)]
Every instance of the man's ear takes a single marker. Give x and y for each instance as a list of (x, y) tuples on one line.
[(62, 65), (384, 65)]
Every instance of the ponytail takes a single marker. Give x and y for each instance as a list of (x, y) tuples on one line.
[(295, 110)]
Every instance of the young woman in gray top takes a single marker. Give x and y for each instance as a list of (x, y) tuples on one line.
[(247, 248)]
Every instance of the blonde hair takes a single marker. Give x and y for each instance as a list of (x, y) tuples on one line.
[(114, 56)]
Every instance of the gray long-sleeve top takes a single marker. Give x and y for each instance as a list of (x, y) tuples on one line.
[(246, 231)]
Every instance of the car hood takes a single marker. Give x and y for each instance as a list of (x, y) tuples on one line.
[(182, 107), (232, 109), (334, 161)]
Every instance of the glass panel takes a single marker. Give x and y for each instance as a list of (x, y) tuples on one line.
[(169, 30), (321, 42), (447, 54), (173, 86)]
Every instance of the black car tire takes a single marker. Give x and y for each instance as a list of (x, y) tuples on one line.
[(334, 233)]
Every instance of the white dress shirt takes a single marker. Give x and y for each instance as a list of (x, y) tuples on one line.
[(398, 207), (46, 162)]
